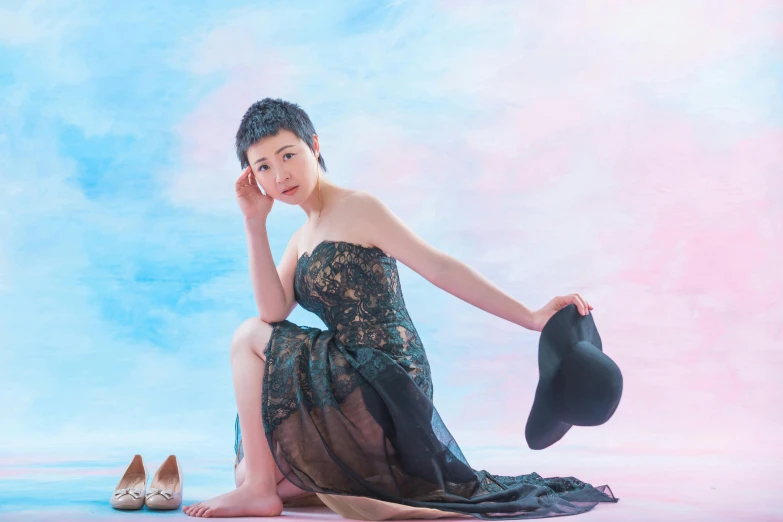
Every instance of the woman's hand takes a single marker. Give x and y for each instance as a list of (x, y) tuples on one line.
[(540, 317), (252, 201)]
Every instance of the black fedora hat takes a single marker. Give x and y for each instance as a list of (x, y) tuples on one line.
[(578, 385)]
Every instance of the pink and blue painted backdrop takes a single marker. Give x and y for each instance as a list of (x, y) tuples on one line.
[(628, 151)]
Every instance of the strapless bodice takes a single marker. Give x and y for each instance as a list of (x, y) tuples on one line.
[(355, 290)]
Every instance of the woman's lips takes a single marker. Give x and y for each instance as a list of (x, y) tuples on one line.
[(291, 192)]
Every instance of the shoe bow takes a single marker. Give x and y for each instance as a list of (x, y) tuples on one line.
[(167, 493), (135, 493)]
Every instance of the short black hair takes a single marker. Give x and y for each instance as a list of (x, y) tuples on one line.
[(266, 118)]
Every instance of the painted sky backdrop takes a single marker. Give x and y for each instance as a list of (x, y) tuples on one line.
[(629, 151)]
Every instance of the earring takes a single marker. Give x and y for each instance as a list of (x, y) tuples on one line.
[(319, 187)]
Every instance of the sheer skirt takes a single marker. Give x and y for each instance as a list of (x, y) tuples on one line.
[(350, 420)]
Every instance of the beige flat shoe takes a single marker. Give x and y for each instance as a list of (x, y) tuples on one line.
[(129, 493), (166, 487)]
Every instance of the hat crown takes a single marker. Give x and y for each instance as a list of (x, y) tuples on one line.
[(587, 386)]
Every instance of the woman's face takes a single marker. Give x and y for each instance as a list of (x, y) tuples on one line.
[(282, 162)]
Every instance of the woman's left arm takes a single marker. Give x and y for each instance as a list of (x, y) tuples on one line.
[(391, 235)]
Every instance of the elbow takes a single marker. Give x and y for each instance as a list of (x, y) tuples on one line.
[(276, 316), (269, 319), (440, 269)]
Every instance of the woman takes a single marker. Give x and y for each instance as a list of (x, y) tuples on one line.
[(346, 413)]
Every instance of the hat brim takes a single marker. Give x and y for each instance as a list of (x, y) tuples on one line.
[(543, 429)]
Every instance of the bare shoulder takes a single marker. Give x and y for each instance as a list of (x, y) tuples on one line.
[(293, 248), (362, 202), (351, 222), (357, 196), (361, 208), (295, 241), (297, 233), (387, 231)]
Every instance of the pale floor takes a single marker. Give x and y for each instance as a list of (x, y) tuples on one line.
[(671, 488)]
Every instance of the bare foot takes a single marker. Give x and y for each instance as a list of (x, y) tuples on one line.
[(245, 501)]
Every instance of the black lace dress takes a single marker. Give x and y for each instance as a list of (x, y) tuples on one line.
[(349, 411)]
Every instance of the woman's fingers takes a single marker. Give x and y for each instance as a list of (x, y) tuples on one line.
[(580, 303), (587, 305), (244, 173), (244, 178), (246, 183)]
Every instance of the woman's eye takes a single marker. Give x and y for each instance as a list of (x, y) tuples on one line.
[(261, 168)]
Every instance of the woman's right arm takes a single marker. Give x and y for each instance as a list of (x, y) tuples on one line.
[(272, 286)]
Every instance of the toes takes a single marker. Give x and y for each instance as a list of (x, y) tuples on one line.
[(201, 511), (207, 513)]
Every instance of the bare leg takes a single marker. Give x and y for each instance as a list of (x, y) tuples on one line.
[(285, 489), (239, 473), (257, 495)]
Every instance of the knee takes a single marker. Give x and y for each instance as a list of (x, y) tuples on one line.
[(252, 335)]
